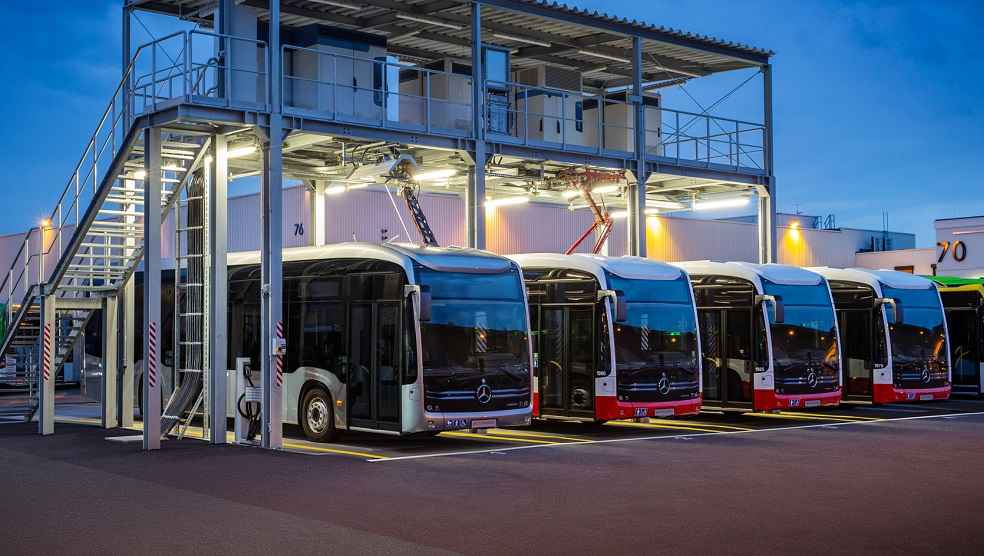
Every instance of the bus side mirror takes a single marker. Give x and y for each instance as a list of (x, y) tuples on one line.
[(621, 305), (893, 310), (426, 304), (776, 308)]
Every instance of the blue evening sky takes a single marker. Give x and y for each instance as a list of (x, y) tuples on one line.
[(878, 105)]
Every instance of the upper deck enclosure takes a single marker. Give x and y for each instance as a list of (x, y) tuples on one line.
[(556, 89)]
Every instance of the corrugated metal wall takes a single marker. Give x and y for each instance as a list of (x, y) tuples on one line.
[(368, 215)]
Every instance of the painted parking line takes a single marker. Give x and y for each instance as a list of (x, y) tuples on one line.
[(656, 426), (497, 437), (797, 417), (833, 416), (299, 448), (699, 424), (537, 434), (665, 437)]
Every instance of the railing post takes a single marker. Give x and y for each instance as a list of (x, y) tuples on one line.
[(189, 44), (526, 115), (334, 86), (153, 76), (427, 100)]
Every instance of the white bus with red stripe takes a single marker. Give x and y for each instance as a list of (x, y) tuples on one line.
[(614, 337), (769, 336), (894, 334)]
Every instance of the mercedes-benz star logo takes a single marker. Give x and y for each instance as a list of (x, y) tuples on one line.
[(663, 384), (812, 379), (483, 394), (925, 376)]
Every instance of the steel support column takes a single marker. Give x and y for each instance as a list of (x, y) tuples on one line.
[(318, 233), (217, 215), (271, 255), (637, 191), (767, 202), (46, 378), (109, 383), (127, 395), (128, 303), (475, 195), (152, 290)]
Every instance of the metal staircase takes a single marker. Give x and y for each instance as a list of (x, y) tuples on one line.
[(92, 241)]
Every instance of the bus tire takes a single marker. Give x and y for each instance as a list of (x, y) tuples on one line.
[(318, 416)]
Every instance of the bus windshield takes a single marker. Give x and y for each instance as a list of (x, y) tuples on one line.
[(477, 335), (656, 355), (804, 346), (919, 341)]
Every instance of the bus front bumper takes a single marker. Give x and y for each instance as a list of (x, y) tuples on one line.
[(768, 400), (467, 421), (609, 408), (887, 393)]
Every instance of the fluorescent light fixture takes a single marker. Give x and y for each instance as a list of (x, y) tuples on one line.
[(570, 193), (429, 21), (337, 4), (716, 204), (140, 174), (604, 56), (362, 185), (506, 201), (240, 152), (602, 189), (174, 168), (652, 211), (619, 214), (336, 189), (671, 205), (506, 37), (435, 175)]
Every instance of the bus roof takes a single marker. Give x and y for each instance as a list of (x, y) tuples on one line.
[(876, 278), (638, 268), (778, 273), (444, 259)]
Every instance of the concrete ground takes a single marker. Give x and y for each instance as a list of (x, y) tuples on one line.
[(856, 479)]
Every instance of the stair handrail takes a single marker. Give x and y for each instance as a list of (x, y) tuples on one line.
[(93, 149)]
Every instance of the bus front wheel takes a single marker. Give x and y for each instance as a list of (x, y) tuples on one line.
[(318, 416)]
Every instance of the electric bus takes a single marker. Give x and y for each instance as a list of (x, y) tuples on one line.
[(895, 337), (963, 302), (392, 338), (769, 336), (613, 337)]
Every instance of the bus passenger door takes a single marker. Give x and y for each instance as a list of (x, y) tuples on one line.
[(856, 332), (373, 377), (712, 346), (550, 346), (566, 358)]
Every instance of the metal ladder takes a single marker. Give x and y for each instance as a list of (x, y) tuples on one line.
[(190, 310)]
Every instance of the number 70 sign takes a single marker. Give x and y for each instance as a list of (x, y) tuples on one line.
[(957, 249)]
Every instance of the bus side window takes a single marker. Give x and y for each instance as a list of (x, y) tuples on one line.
[(604, 367), (879, 354), (762, 345), (409, 345)]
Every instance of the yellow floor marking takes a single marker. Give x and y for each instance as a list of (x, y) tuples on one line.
[(655, 426), (326, 449), (78, 420), (832, 416), (494, 437), (795, 417), (698, 424), (536, 434)]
